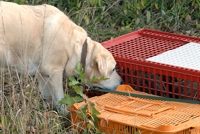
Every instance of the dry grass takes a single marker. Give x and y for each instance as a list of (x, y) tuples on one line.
[(24, 111)]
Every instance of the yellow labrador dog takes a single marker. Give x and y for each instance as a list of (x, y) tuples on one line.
[(44, 41)]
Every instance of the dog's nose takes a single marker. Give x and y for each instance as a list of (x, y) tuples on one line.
[(122, 82)]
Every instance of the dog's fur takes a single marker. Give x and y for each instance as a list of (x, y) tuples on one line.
[(44, 41)]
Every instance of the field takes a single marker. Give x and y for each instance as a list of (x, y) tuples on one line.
[(21, 106)]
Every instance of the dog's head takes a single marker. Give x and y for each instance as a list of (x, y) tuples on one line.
[(102, 64)]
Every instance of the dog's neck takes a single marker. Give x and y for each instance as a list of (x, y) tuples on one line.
[(84, 53)]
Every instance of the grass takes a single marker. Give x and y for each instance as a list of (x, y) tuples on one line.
[(24, 111), (21, 106), (114, 18)]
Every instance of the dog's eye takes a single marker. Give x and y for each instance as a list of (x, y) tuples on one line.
[(115, 68)]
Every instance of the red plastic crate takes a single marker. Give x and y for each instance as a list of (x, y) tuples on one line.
[(132, 50)]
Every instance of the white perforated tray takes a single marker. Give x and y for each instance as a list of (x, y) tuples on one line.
[(187, 56)]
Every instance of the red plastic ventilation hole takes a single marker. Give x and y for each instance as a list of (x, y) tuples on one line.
[(142, 48)]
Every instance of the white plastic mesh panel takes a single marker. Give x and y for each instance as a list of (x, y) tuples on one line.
[(187, 56)]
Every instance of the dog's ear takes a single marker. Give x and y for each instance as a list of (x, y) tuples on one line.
[(102, 63)]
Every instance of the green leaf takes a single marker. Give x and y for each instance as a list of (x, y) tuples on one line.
[(19, 1), (94, 110), (197, 24), (78, 89), (82, 112), (137, 21), (61, 2), (87, 20), (16, 1), (82, 77), (22, 1), (70, 100), (125, 11), (138, 6), (100, 3), (79, 69), (92, 2), (156, 6), (103, 78), (77, 99), (94, 114), (94, 79), (72, 78), (64, 100), (148, 16), (144, 2), (73, 81), (163, 12), (79, 4)]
